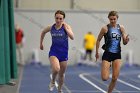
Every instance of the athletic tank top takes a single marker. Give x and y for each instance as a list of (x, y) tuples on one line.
[(59, 40), (113, 39)]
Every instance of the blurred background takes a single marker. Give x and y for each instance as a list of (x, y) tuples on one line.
[(83, 16), (32, 16)]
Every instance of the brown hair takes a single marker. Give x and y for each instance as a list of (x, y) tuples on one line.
[(60, 12), (113, 13)]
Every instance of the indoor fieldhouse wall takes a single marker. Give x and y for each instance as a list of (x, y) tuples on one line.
[(121, 5), (81, 22)]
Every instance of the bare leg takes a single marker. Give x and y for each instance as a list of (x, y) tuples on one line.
[(115, 73), (105, 70), (55, 67), (63, 66)]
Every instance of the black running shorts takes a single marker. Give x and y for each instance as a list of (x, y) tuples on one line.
[(108, 56)]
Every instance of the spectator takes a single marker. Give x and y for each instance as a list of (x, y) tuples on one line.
[(89, 43), (19, 44)]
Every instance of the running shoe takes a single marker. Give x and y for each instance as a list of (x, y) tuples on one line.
[(51, 86), (59, 90)]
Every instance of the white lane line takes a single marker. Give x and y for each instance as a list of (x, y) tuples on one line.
[(20, 78), (138, 76), (128, 84), (87, 91), (91, 83), (68, 91)]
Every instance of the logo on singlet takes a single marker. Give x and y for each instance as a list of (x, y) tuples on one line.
[(116, 36), (57, 34)]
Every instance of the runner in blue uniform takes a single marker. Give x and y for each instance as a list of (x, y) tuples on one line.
[(58, 54), (112, 33)]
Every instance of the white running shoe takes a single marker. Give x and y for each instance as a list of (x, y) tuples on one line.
[(59, 90), (51, 86)]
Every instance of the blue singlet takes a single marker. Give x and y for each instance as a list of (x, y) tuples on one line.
[(59, 47)]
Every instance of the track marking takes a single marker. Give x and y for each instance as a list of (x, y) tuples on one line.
[(20, 79), (101, 82), (87, 91), (138, 76), (91, 83), (128, 84), (68, 91)]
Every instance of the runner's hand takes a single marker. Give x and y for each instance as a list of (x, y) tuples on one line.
[(97, 56), (41, 47)]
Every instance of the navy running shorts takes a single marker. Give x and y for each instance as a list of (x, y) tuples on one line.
[(108, 56), (61, 56)]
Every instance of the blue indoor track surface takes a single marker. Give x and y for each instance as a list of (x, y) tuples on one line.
[(79, 79)]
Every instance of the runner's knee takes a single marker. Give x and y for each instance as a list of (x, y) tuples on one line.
[(56, 70), (105, 78)]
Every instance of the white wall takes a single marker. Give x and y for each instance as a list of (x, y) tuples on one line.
[(124, 5), (139, 4), (81, 22), (44, 4), (121, 5)]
